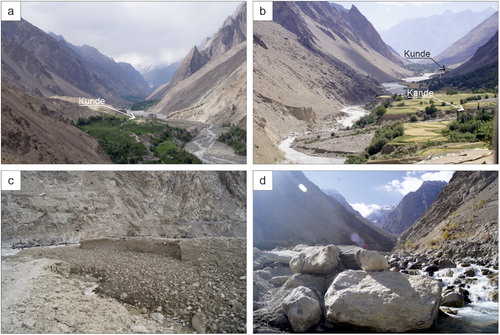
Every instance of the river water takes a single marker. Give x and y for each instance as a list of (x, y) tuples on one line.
[(145, 114), (397, 88), (355, 113), (297, 157), (481, 315)]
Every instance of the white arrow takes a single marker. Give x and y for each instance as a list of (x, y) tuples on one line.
[(459, 108)]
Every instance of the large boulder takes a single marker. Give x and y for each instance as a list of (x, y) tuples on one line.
[(280, 256), (383, 301), (317, 260), (371, 260), (317, 283), (302, 308)]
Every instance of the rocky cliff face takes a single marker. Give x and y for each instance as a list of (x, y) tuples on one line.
[(288, 215), (193, 61), (412, 206), (463, 221), (66, 207), (210, 85), (369, 35), (232, 33)]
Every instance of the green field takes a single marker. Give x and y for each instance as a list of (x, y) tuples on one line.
[(165, 147), (118, 136), (408, 133), (414, 105)]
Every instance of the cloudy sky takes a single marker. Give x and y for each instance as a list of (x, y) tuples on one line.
[(384, 15), (368, 190), (133, 32)]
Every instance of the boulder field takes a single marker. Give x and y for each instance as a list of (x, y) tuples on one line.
[(339, 288)]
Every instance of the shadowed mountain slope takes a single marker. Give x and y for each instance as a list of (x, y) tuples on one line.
[(39, 64), (288, 215), (40, 130), (465, 47)]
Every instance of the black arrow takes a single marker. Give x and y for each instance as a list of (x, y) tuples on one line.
[(441, 67)]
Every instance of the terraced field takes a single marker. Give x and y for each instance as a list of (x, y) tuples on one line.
[(451, 102), (420, 132)]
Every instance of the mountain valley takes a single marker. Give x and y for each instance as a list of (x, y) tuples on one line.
[(328, 89), (347, 283), (189, 118)]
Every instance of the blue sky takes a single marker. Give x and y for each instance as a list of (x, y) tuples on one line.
[(384, 15), (368, 190)]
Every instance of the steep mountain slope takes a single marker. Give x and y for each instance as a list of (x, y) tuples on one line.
[(366, 31), (210, 85), (346, 36), (36, 62), (412, 206), (311, 60), (288, 215), (463, 221), (465, 47), (434, 33), (66, 207), (485, 55), (121, 77), (135, 77), (340, 198), (40, 130), (231, 34), (191, 63)]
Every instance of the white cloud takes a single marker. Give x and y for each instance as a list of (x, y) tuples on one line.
[(414, 179), (365, 209)]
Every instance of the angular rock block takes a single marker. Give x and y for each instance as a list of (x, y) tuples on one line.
[(383, 301), (371, 260), (316, 260)]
